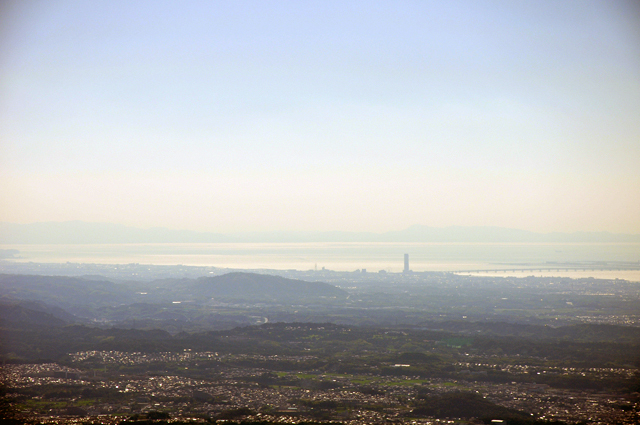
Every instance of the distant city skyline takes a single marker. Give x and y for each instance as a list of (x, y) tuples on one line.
[(233, 117)]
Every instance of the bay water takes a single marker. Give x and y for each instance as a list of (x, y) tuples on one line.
[(351, 256)]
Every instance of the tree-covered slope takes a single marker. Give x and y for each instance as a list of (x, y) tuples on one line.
[(263, 288)]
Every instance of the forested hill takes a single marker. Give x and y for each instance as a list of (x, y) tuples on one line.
[(257, 287), (83, 295), (64, 291)]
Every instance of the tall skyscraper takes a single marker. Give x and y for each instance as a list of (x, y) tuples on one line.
[(406, 263)]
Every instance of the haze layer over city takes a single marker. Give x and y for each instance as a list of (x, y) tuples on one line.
[(408, 212)]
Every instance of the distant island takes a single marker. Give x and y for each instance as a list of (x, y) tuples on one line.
[(80, 232)]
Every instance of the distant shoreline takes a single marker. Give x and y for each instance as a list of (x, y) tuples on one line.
[(601, 260)]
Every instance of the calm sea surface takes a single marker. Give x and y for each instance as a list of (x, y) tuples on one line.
[(344, 256)]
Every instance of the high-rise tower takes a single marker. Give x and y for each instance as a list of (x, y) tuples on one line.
[(406, 263)]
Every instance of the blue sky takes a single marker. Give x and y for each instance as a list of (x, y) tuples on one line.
[(367, 116)]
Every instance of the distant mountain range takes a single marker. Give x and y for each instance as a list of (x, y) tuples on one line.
[(79, 232)]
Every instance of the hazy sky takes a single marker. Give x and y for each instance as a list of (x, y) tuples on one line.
[(295, 115)]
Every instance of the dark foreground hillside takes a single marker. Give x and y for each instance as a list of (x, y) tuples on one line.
[(306, 372)]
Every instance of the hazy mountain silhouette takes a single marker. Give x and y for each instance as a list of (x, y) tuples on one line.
[(79, 232)]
